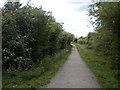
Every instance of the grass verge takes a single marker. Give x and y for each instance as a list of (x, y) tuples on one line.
[(99, 66), (36, 76), (0, 79)]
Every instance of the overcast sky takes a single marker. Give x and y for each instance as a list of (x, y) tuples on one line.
[(73, 13)]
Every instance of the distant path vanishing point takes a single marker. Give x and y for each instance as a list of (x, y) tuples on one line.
[(73, 74)]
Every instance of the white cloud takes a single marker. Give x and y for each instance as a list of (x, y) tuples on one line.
[(75, 21), (2, 3), (71, 12)]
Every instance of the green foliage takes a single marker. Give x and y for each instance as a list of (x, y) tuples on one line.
[(105, 18), (29, 35), (99, 66), (37, 76), (76, 40), (82, 40), (65, 39)]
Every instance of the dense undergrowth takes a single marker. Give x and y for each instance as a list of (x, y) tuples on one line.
[(34, 45), (38, 75)]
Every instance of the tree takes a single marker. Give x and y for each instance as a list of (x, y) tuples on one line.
[(29, 35), (106, 21)]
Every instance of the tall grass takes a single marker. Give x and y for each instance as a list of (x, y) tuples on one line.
[(99, 66), (36, 76), (0, 79)]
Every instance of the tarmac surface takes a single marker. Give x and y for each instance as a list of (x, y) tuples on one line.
[(73, 74)]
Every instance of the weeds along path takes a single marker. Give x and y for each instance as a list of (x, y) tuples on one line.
[(73, 74)]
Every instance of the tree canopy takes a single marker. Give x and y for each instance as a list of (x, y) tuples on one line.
[(30, 34), (105, 17)]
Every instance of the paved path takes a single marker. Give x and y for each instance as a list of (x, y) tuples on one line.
[(73, 74)]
